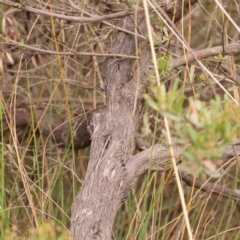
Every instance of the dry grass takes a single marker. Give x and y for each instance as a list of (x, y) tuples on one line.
[(39, 180)]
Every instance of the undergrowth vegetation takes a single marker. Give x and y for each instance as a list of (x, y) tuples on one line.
[(52, 72)]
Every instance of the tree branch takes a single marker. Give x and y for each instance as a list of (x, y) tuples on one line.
[(71, 53), (157, 158), (51, 125), (93, 19), (229, 49), (210, 187)]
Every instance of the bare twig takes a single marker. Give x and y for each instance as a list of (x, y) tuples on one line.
[(106, 22), (229, 49), (210, 187), (176, 32), (92, 19), (70, 53), (157, 158)]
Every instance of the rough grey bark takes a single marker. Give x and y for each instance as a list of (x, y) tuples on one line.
[(110, 172), (113, 142)]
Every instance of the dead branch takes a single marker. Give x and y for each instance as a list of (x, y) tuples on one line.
[(93, 19), (51, 125), (72, 53), (160, 161), (229, 49), (210, 187)]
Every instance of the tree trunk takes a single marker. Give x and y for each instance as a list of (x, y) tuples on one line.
[(113, 142), (113, 129)]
